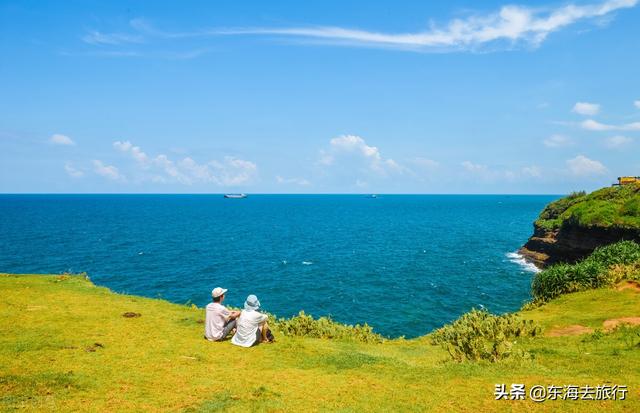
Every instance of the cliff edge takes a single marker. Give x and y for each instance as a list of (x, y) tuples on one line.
[(570, 228)]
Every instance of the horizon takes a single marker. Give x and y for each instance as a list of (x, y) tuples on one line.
[(283, 193), (534, 98)]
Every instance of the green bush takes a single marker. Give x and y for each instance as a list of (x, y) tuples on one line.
[(604, 267), (479, 335), (304, 325)]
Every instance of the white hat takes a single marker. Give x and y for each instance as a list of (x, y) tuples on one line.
[(217, 292)]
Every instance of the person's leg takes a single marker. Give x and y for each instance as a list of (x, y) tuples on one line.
[(263, 331), (227, 328)]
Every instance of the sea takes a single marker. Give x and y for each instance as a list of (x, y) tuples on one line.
[(404, 264)]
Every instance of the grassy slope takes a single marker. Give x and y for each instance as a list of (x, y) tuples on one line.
[(160, 360), (606, 207)]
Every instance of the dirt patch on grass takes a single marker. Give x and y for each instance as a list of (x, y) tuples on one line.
[(130, 314), (573, 330), (629, 285), (615, 322)]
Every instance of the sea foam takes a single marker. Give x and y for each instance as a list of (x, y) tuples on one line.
[(519, 259)]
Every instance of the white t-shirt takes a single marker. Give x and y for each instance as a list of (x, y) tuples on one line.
[(247, 327), (215, 319)]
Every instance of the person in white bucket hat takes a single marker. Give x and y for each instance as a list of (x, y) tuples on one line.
[(219, 321), (252, 325)]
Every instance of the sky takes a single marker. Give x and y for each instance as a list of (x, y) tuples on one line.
[(318, 97)]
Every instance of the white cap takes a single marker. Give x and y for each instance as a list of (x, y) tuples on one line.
[(218, 291)]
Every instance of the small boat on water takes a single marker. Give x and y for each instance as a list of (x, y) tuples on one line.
[(235, 196), (373, 196)]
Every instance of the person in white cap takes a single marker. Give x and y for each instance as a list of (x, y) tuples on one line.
[(219, 321), (252, 327)]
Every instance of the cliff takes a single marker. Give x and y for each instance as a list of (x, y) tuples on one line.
[(570, 228)]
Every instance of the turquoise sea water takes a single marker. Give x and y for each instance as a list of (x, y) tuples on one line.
[(405, 264)]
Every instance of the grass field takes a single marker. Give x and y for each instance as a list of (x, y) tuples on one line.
[(65, 345)]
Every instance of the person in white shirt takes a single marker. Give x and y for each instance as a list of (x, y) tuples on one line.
[(251, 327), (219, 321)]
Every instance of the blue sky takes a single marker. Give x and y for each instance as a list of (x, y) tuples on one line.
[(322, 97)]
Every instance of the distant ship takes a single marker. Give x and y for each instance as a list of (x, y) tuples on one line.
[(235, 196), (373, 196)]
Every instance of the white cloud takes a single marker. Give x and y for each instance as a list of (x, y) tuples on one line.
[(58, 139), (108, 171), (636, 103), (230, 171), (355, 145), (583, 166), (135, 151), (618, 141), (510, 26), (593, 125), (122, 146), (557, 141), (72, 172), (233, 171), (295, 181), (167, 166), (474, 167), (585, 108)]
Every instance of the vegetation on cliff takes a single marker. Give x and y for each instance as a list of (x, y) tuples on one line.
[(617, 206), (605, 267)]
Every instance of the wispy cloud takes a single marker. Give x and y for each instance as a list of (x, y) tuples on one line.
[(593, 125), (58, 139), (134, 151), (97, 38), (72, 171), (617, 142), (294, 181), (108, 171), (557, 141), (510, 27)]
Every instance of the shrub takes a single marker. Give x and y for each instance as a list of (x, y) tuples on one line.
[(304, 325), (604, 267), (479, 335), (620, 272)]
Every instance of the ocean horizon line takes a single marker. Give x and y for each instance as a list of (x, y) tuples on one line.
[(288, 193)]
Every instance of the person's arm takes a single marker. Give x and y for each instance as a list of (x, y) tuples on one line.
[(230, 315)]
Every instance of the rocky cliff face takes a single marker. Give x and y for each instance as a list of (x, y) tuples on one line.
[(571, 242)]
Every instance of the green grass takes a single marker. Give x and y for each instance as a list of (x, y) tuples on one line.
[(617, 207), (65, 346)]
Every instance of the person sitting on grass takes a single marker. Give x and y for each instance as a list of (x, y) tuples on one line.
[(219, 321), (252, 327)]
